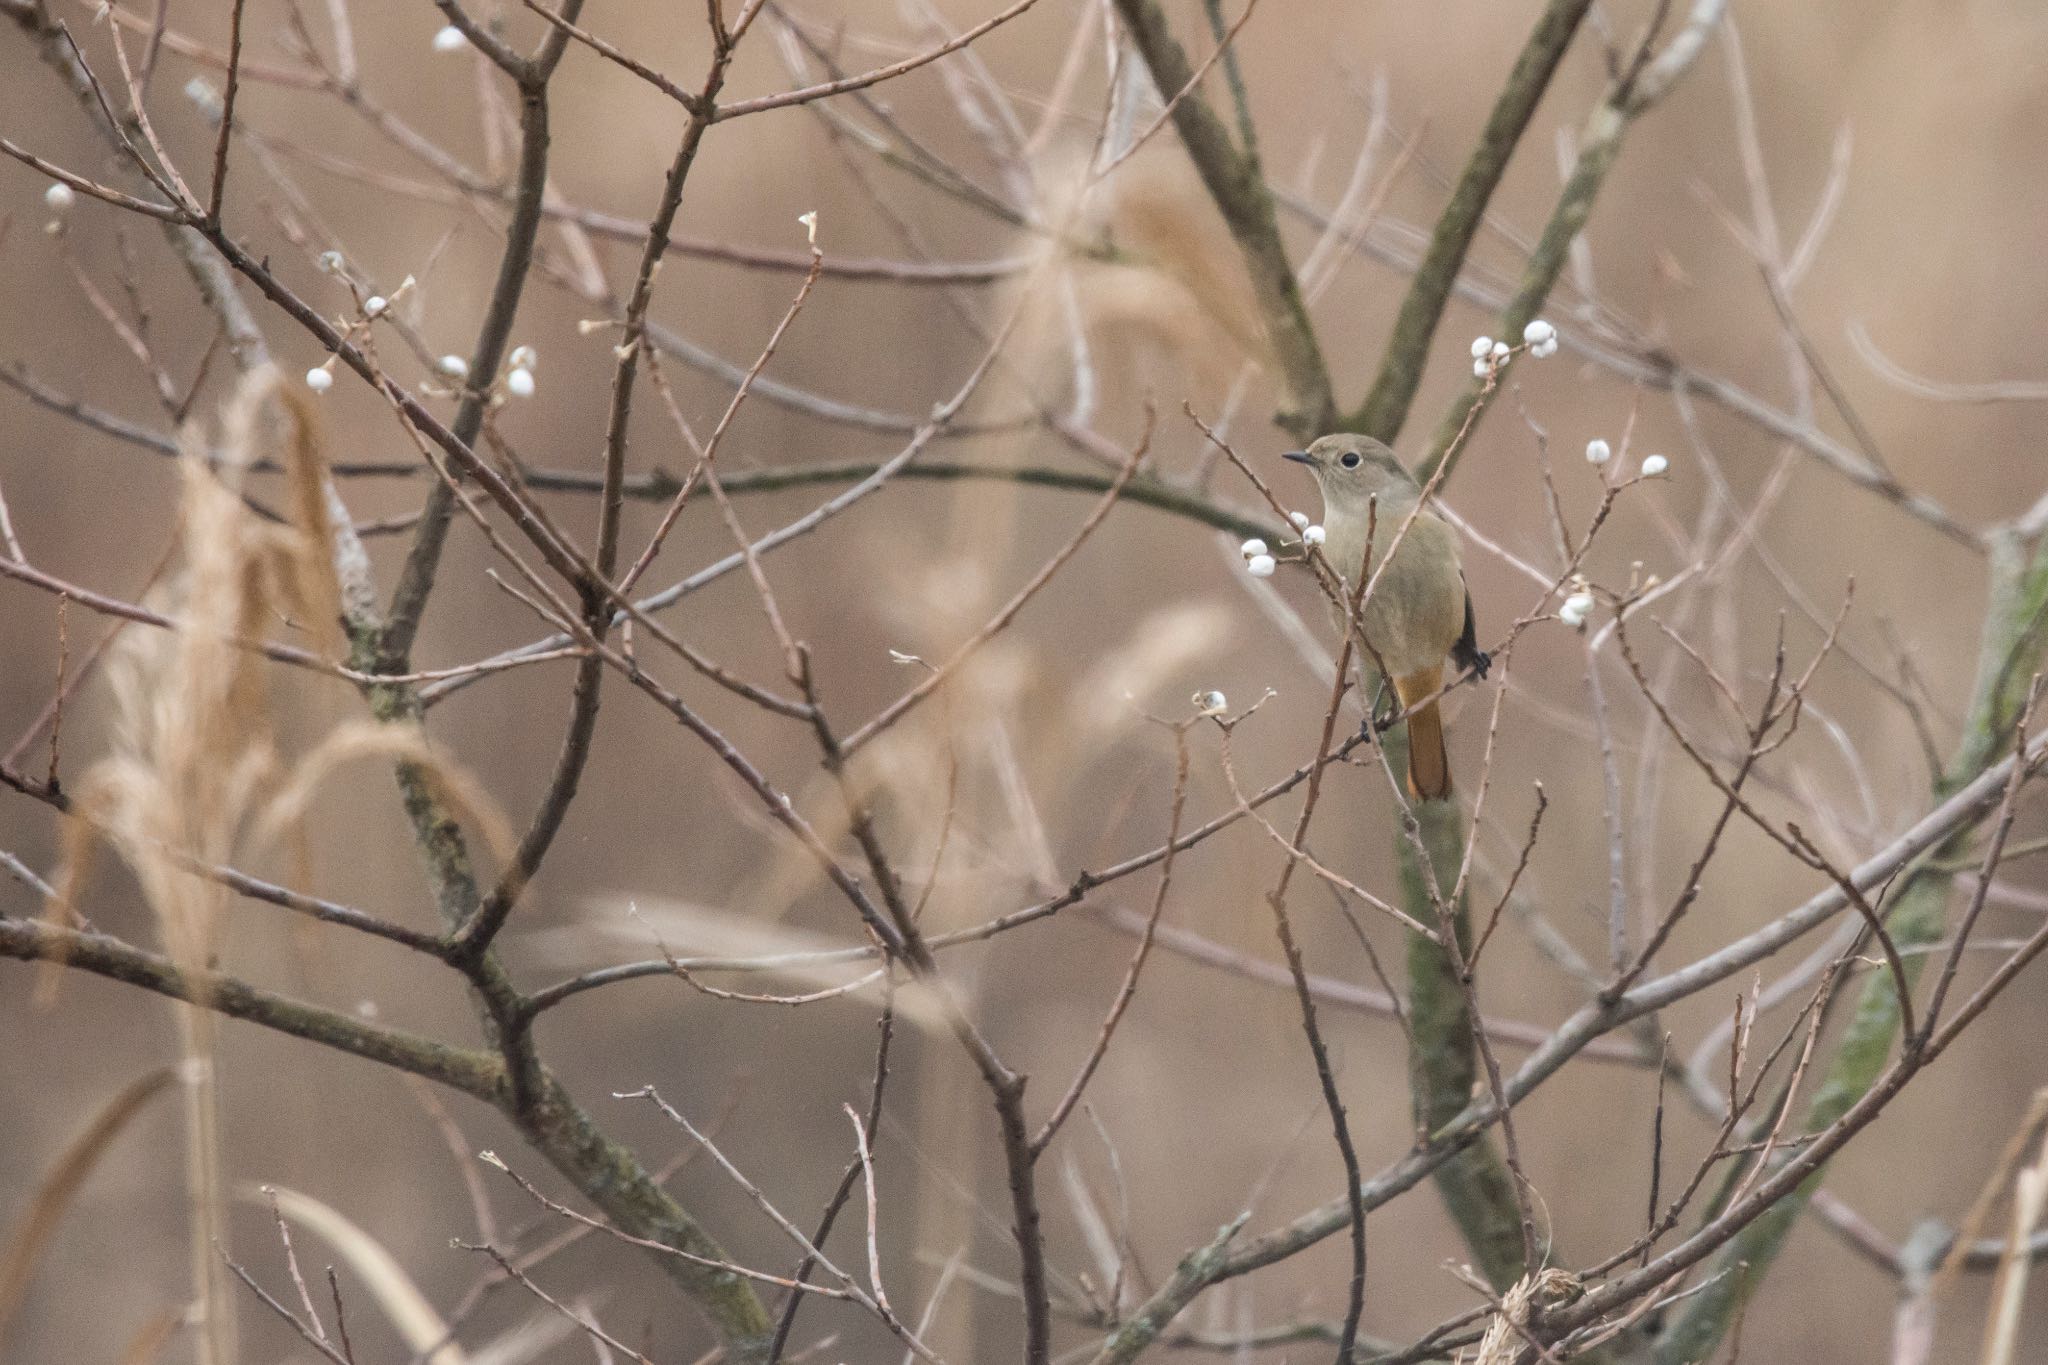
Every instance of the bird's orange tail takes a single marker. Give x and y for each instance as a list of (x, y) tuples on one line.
[(1429, 765)]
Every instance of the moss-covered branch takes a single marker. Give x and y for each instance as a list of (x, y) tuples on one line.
[(607, 1173), (2010, 654), (1476, 1186), (1443, 1063), (1634, 92), (1238, 187), (1407, 354), (472, 1072), (1599, 147)]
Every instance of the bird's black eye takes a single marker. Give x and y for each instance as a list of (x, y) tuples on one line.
[(1350, 460)]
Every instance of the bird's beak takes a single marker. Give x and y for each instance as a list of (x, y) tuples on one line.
[(1299, 457)]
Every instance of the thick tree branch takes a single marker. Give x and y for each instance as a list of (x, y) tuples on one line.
[(1407, 354), (1960, 811), (2012, 648), (606, 1172), (1631, 95), (1238, 187), (474, 1073)]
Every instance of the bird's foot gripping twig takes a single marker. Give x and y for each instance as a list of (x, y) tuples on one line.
[(1471, 657)]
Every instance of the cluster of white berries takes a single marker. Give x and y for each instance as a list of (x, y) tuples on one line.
[(321, 377), (1578, 606), (1598, 453), (1539, 339), (1259, 560), (520, 365), (518, 379), (1310, 535), (519, 374), (1487, 353)]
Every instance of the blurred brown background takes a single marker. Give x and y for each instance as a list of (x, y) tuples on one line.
[(1209, 1089)]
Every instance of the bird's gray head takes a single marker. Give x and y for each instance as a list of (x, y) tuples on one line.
[(1353, 469)]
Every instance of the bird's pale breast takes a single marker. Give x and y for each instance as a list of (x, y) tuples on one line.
[(1417, 609)]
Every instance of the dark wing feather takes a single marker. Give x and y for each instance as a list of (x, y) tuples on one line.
[(1467, 653)]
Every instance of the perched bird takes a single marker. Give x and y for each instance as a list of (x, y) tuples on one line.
[(1419, 611)]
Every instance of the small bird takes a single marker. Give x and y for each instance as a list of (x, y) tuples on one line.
[(1420, 611)]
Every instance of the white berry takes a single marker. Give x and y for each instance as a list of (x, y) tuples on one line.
[(1260, 566), (1654, 466), (60, 196), (1482, 347), (450, 39), (1598, 452), (1312, 535), (519, 383), (319, 379)]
